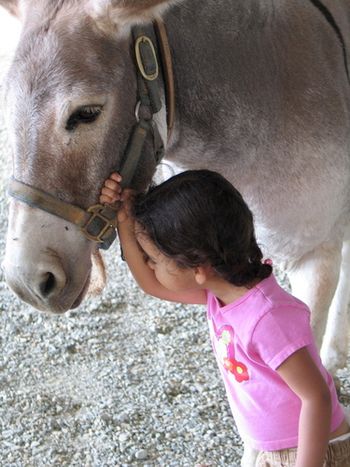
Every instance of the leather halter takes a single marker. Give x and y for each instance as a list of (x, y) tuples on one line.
[(98, 222)]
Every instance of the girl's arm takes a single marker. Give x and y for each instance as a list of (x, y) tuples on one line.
[(144, 275), (133, 255), (301, 374)]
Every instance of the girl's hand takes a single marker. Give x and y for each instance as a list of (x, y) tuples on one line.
[(112, 192)]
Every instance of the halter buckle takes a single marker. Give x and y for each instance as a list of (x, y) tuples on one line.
[(100, 226), (146, 58)]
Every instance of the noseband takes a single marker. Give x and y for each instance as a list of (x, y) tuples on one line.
[(98, 222)]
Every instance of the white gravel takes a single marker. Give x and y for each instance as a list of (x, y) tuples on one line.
[(87, 389)]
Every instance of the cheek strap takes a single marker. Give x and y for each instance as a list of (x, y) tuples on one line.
[(97, 223)]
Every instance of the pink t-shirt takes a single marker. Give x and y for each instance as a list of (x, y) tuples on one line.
[(251, 337)]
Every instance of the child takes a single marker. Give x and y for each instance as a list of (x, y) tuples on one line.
[(191, 240)]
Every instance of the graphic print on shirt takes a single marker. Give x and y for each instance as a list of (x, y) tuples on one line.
[(226, 353)]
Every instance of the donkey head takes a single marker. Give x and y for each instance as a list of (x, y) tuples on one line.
[(70, 99)]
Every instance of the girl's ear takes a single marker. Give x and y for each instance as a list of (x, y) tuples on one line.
[(123, 14), (202, 274)]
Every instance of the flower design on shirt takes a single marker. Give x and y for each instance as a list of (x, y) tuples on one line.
[(226, 352), (238, 369)]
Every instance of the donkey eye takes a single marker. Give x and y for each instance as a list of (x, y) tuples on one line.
[(86, 114)]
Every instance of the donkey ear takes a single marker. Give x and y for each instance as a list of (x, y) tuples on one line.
[(11, 6), (125, 13)]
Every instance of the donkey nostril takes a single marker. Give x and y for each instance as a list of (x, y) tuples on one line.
[(48, 284), (50, 280)]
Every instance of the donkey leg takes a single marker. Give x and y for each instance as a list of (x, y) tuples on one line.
[(314, 279), (334, 349)]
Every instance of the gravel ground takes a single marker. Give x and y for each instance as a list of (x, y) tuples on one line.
[(87, 389)]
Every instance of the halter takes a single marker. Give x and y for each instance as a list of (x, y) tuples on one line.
[(98, 222)]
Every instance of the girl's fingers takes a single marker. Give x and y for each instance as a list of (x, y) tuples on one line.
[(108, 192), (113, 185), (105, 199), (115, 176), (112, 192)]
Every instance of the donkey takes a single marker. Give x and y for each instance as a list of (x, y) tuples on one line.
[(261, 95)]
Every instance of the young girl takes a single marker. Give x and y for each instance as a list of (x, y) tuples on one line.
[(191, 240)]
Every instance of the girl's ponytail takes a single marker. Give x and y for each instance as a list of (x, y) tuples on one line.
[(246, 268)]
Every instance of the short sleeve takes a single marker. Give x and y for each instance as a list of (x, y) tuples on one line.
[(281, 332)]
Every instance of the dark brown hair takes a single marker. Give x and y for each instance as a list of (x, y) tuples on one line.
[(197, 218)]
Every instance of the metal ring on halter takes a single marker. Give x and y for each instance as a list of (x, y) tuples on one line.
[(137, 111)]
